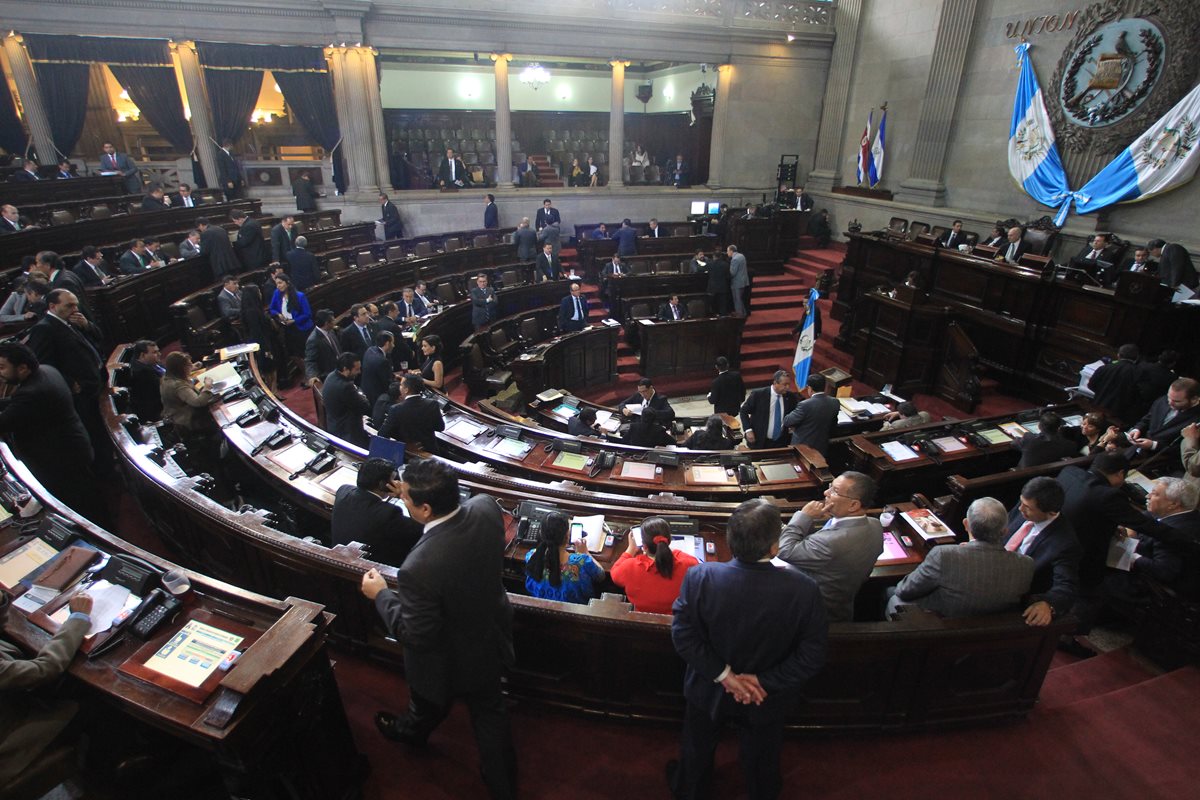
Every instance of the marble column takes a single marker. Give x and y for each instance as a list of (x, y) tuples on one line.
[(31, 98), (826, 172), (503, 120), (196, 101), (350, 94), (616, 125), (924, 184), (379, 139), (720, 123)]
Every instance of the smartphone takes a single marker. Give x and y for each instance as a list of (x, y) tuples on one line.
[(576, 532)]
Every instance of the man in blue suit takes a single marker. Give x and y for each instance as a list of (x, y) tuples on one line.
[(573, 311), (491, 214), (752, 635)]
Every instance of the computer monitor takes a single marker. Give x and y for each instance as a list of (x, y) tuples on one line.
[(382, 447), (714, 207), (697, 208)]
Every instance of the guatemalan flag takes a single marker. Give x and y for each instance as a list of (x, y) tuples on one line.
[(864, 152), (1164, 157), (804, 346), (876, 171), (1032, 155)]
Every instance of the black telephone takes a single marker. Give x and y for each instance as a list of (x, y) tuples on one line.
[(320, 463), (747, 474), (57, 532), (531, 514), (978, 439), (156, 610), (601, 462), (247, 418), (268, 411), (273, 442)]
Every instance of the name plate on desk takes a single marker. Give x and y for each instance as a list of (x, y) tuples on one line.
[(709, 476)]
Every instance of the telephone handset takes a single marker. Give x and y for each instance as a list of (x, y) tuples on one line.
[(747, 474), (157, 610)]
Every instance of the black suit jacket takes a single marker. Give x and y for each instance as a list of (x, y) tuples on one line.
[(1056, 554), (460, 172), (45, 430), (566, 310), (352, 340), (302, 267), (1170, 553), (402, 352), (664, 312), (757, 618), (72, 352), (345, 406), (144, 396), (22, 176), (450, 609), (392, 229), (320, 354), (361, 516), (250, 247), (282, 241), (812, 421), (1155, 425), (177, 201), (152, 203), (658, 410), (414, 421), (718, 276), (756, 414), (945, 239), (491, 216), (550, 267), (1095, 508), (545, 218), (214, 243), (1038, 448), (1114, 389), (376, 373), (89, 276), (1175, 266), (1022, 249), (1153, 381), (728, 392), (228, 171)]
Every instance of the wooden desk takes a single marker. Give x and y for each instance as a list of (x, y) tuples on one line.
[(659, 285), (688, 346), (580, 360), (49, 191)]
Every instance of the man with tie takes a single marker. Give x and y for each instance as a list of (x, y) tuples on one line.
[(112, 161), (614, 270), (421, 299), (573, 311), (1141, 262), (491, 214), (155, 200), (154, 258), (654, 232), (1089, 257), (389, 217), (526, 241), (452, 172), (547, 215), (483, 304), (409, 310), (145, 381), (27, 173), (1037, 529), (184, 197), (90, 268), (672, 310), (749, 212), (358, 336), (321, 349), (952, 238), (739, 281), (804, 201), (678, 174), (229, 299), (190, 246), (64, 169), (283, 238), (548, 267), (134, 261), (1013, 248), (764, 411), (10, 220), (1166, 419)]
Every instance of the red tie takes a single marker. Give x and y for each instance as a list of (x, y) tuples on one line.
[(1015, 542)]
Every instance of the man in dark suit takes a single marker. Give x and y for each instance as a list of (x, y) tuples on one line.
[(410, 306), (90, 268), (654, 231), (283, 237), (1037, 529), (229, 299), (1048, 444), (214, 243), (812, 421), (677, 174), (451, 613), (365, 514), (819, 228), (610, 276), (728, 390), (751, 635), (67, 341), (833, 541), (551, 235), (302, 265), (952, 238), (304, 192), (804, 200), (1169, 554), (974, 578), (547, 215), (321, 349), (65, 170), (1114, 385), (672, 310), (112, 161), (145, 378), (491, 214), (1140, 262), (484, 309), (1154, 378), (765, 409), (718, 285), (345, 404), (573, 311), (548, 267), (415, 419), (648, 406), (377, 369), (1099, 249), (50, 265), (1167, 417), (526, 241), (11, 221), (626, 239), (155, 199), (452, 173), (357, 336), (389, 215), (1175, 266), (389, 320), (251, 249), (229, 172), (184, 198), (134, 260), (1013, 247), (27, 173)]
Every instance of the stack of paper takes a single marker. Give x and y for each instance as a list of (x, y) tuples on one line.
[(1120, 553), (593, 530), (898, 451)]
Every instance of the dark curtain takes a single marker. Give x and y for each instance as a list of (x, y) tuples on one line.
[(12, 135), (232, 94), (155, 92), (97, 49), (310, 97), (64, 89)]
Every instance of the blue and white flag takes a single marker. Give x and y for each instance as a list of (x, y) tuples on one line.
[(876, 171), (807, 341), (1032, 155), (864, 151), (1163, 158)]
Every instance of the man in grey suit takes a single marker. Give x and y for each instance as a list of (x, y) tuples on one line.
[(840, 555), (450, 611), (739, 280), (484, 309), (812, 420), (29, 723), (229, 299), (190, 246), (551, 235), (526, 241), (978, 577)]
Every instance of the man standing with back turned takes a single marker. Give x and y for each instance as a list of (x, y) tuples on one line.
[(752, 635), (451, 612)]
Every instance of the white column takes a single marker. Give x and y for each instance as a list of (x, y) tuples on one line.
[(358, 152), (826, 171), (31, 98), (616, 125), (383, 168), (720, 123), (503, 119), (196, 101)]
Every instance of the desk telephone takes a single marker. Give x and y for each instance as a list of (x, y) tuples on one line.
[(530, 515)]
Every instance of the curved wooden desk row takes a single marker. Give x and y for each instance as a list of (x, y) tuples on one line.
[(49, 191), (275, 718), (602, 658), (81, 208)]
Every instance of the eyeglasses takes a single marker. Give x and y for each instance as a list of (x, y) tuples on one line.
[(833, 492)]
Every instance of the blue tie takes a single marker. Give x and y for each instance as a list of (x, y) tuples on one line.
[(776, 418)]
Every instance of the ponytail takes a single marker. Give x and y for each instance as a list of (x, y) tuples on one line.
[(543, 564), (656, 541)]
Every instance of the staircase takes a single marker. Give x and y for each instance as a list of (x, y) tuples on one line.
[(547, 179)]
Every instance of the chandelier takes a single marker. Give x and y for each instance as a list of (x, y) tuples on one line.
[(535, 76)]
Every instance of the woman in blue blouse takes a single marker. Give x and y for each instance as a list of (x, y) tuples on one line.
[(290, 309), (552, 573)]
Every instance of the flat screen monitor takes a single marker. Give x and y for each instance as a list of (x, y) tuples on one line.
[(382, 447), (697, 207), (714, 208)]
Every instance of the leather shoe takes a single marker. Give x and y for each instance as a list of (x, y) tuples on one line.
[(393, 727), (1072, 646)]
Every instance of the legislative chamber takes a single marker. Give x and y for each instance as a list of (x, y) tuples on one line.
[(628, 274)]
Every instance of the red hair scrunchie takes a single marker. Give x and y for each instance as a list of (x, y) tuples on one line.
[(661, 540)]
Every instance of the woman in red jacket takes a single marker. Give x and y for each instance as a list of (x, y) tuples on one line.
[(651, 575)]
